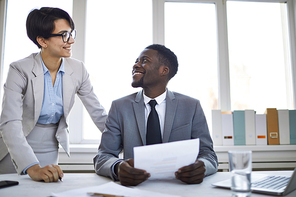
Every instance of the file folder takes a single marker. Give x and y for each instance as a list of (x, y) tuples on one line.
[(292, 120), (284, 127), (261, 129), (272, 126), (227, 129), (217, 127), (250, 125), (239, 133)]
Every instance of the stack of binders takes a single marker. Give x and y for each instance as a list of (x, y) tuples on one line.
[(245, 127)]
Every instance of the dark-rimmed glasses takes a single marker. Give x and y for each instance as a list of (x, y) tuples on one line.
[(65, 35)]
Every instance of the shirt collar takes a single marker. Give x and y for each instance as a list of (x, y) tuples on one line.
[(45, 69), (158, 99)]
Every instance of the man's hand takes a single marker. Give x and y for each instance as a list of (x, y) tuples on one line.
[(193, 173), (128, 175), (50, 173)]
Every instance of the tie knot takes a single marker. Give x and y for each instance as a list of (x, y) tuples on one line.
[(152, 103)]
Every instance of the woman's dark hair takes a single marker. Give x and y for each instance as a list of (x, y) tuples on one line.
[(41, 22)]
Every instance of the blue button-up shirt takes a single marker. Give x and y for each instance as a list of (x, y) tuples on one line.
[(52, 106)]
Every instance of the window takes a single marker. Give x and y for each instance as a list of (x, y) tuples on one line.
[(191, 34), (116, 32), (260, 75), (232, 54), (17, 44)]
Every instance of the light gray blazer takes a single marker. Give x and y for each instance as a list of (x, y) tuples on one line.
[(125, 129), (22, 102)]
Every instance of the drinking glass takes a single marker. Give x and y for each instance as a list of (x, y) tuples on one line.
[(240, 166)]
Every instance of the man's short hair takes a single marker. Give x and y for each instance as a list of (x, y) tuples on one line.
[(166, 57), (41, 22)]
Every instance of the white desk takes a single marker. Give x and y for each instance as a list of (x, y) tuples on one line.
[(27, 187)]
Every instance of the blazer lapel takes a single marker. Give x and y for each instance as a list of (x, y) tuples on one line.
[(139, 111), (38, 86), (68, 94), (171, 107), (68, 88)]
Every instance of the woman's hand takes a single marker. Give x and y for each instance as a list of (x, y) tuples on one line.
[(49, 173)]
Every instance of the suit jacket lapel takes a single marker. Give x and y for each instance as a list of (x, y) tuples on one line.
[(171, 106), (68, 87), (38, 86), (68, 94), (139, 111)]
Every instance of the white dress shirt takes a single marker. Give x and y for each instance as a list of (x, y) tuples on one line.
[(160, 108)]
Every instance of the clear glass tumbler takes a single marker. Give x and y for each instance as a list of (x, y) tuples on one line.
[(240, 166)]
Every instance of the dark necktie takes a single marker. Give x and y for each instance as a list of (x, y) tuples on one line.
[(153, 135)]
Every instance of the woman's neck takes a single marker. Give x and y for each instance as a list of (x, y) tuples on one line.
[(51, 63)]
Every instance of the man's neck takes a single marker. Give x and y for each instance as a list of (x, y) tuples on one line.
[(155, 92)]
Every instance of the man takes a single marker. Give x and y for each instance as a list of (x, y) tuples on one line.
[(180, 117)]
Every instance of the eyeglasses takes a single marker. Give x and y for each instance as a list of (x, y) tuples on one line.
[(65, 35)]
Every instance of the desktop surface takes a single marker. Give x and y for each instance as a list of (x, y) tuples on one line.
[(28, 187)]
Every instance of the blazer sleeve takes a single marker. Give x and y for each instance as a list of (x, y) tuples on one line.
[(11, 120), (90, 101), (200, 130), (111, 145)]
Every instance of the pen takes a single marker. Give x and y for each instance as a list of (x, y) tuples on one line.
[(61, 177), (101, 194)]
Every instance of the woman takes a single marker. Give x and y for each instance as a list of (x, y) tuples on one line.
[(38, 96)]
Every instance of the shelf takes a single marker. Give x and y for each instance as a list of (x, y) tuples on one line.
[(267, 148), (263, 157)]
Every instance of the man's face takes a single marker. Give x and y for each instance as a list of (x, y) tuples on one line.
[(146, 73)]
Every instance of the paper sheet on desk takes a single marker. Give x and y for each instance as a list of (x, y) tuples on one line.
[(110, 188), (163, 160)]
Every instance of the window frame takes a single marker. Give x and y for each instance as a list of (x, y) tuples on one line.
[(3, 8), (224, 101)]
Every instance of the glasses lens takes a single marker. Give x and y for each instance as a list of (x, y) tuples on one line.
[(66, 36), (73, 34)]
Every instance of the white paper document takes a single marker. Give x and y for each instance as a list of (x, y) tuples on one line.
[(112, 189), (163, 160)]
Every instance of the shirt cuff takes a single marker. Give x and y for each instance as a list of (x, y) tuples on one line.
[(25, 170), (210, 169), (115, 177)]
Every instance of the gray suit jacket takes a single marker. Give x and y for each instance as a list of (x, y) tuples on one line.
[(22, 102), (125, 129)]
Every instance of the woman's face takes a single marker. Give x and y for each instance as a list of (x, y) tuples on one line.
[(56, 47)]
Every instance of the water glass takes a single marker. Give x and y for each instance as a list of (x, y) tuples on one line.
[(240, 166)]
